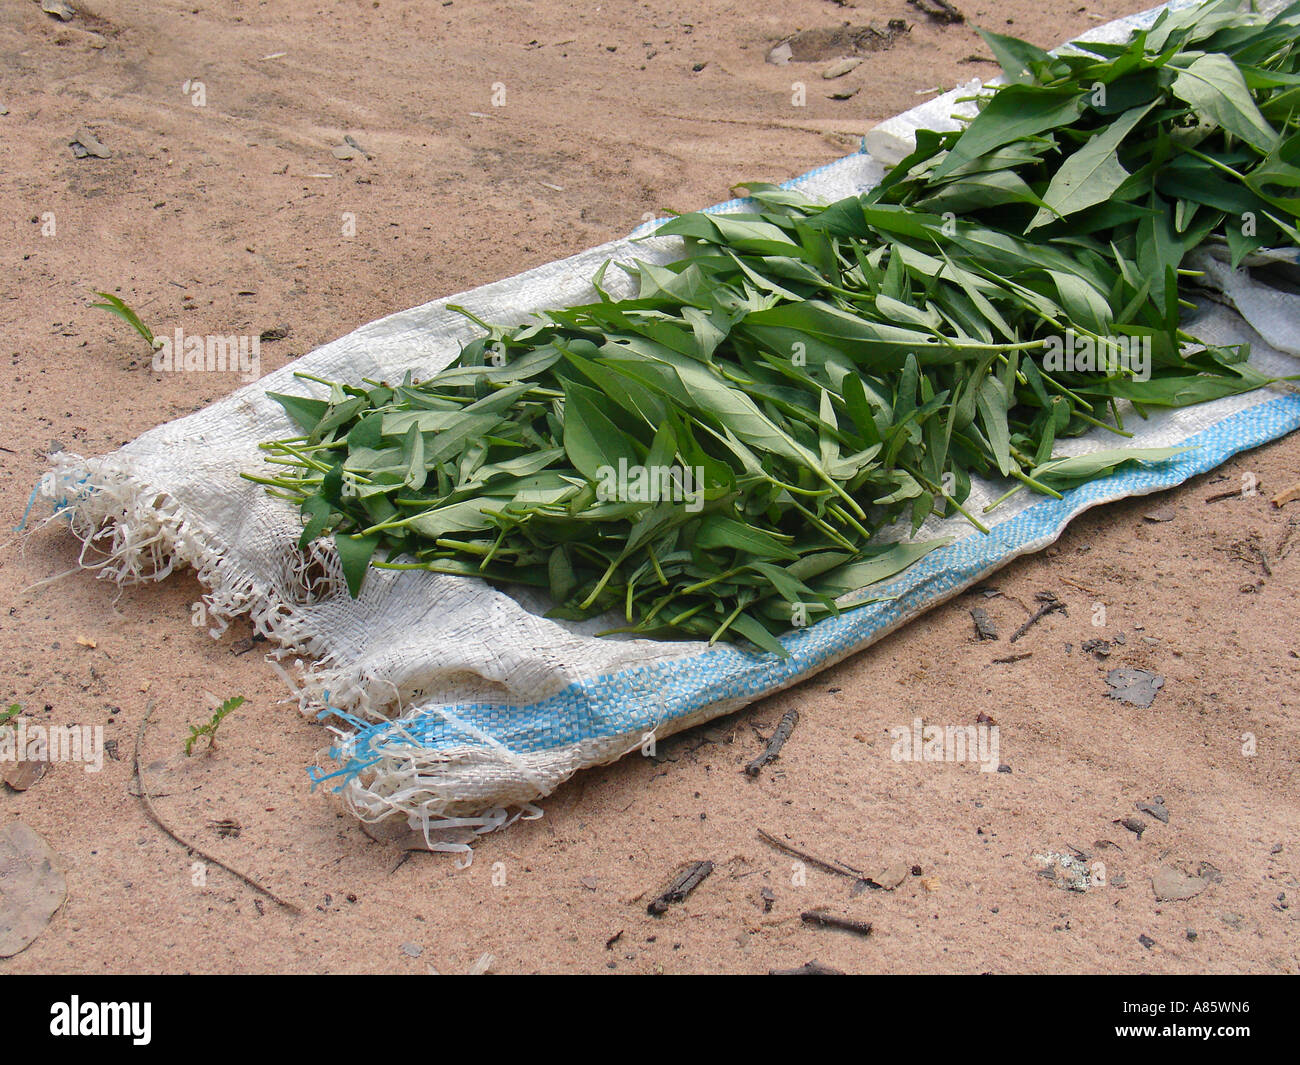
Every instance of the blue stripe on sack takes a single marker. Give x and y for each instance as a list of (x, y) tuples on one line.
[(638, 700)]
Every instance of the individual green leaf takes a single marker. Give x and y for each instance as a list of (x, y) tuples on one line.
[(303, 411), (1214, 87), (1018, 59), (354, 554), (1012, 113), (1089, 176)]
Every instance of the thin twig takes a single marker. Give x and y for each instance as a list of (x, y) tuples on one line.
[(812, 968), (782, 733), (984, 627), (822, 919), (1080, 587), (1049, 605), (1218, 497), (147, 800), (683, 884), (833, 866)]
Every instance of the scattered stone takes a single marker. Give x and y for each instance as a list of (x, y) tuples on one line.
[(1161, 514), (1173, 885), (844, 94), (22, 774), (1233, 920), (350, 141), (1120, 639), (273, 334), (841, 67), (412, 950), (344, 152), (781, 54), (1134, 824), (1156, 808), (1146, 941), (1138, 687), (86, 144), (768, 898), (1275, 849), (1191, 936), (1065, 871), (1100, 648), (589, 882), (59, 9), (32, 887), (1209, 873)]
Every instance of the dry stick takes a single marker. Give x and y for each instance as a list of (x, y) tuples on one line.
[(1041, 612), (812, 968), (783, 729), (984, 628), (1008, 659), (822, 919), (683, 884), (941, 11), (1080, 587), (838, 868), (156, 818), (1287, 495), (1220, 496)]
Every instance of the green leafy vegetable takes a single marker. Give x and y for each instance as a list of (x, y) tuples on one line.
[(734, 450)]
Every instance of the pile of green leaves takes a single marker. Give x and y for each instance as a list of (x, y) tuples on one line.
[(836, 372)]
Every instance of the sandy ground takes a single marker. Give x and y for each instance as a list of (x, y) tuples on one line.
[(217, 217)]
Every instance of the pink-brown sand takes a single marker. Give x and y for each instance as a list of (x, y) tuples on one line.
[(217, 217)]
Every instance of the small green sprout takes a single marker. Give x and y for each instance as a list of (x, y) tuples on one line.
[(119, 307), (210, 729)]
